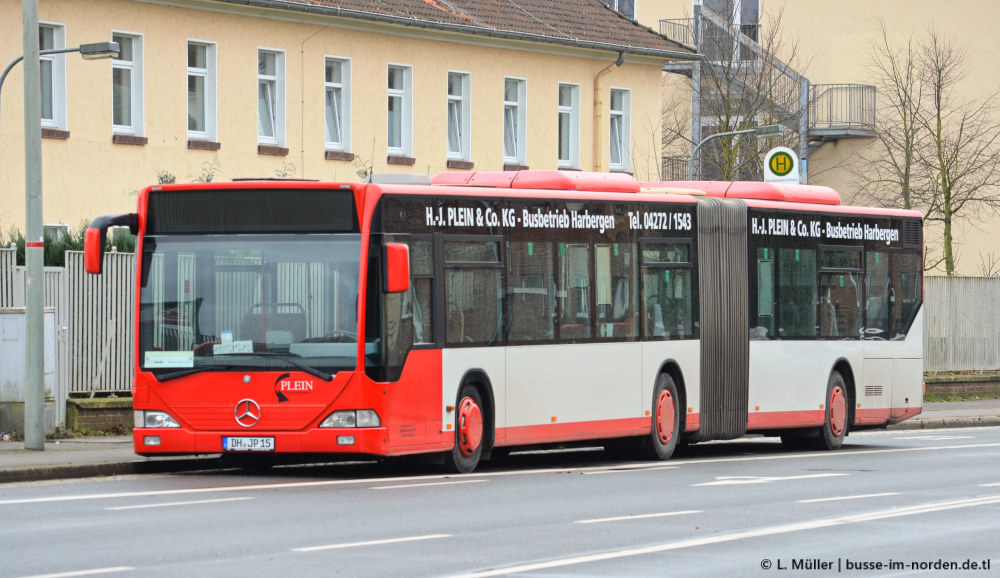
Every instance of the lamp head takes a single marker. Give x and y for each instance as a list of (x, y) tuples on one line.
[(98, 50)]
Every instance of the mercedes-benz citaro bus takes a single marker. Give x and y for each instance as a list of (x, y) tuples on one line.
[(483, 311)]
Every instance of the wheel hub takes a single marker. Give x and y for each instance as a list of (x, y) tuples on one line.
[(665, 417), (470, 427), (838, 411)]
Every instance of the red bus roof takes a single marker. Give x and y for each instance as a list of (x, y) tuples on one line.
[(815, 194), (552, 180)]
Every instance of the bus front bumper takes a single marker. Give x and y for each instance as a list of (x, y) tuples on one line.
[(171, 441)]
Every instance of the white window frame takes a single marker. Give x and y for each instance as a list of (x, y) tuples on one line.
[(459, 114), (134, 67), (208, 75), (344, 117), (57, 77), (572, 114), (614, 5), (405, 95), (516, 111), (271, 89), (624, 118)]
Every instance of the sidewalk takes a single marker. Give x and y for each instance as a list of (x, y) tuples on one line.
[(113, 456)]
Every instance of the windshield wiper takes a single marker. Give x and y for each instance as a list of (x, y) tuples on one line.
[(192, 371), (289, 359), (286, 357)]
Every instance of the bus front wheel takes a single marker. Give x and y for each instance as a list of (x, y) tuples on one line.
[(469, 432)]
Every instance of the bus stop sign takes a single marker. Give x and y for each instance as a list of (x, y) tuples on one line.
[(781, 165)]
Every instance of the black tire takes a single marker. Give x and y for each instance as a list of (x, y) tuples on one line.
[(837, 409), (470, 432), (665, 433)]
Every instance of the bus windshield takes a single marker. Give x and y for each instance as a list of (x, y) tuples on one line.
[(249, 302)]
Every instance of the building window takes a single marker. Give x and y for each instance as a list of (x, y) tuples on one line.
[(126, 78), (569, 126), (400, 109), (625, 7), (270, 97), (338, 104), (514, 92), (201, 91), (621, 131), (459, 119), (53, 76)]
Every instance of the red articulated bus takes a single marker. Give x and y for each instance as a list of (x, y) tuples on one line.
[(485, 311)]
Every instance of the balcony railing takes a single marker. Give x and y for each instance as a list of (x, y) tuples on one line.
[(841, 110), (678, 30)]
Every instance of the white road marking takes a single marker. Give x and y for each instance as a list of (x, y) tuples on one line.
[(638, 517), (748, 534), (934, 438), (371, 543), (629, 470), (170, 504), (583, 470), (838, 498), (424, 485), (737, 480), (990, 485), (84, 572)]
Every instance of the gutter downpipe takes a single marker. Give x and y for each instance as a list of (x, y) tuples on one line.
[(599, 110)]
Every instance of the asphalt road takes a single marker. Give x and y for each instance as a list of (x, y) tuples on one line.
[(914, 502)]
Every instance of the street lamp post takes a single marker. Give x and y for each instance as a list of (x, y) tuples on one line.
[(34, 402), (93, 51), (767, 129)]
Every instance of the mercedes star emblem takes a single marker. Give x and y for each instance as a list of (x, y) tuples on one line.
[(247, 413)]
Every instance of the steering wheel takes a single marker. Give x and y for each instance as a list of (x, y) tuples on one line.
[(340, 337)]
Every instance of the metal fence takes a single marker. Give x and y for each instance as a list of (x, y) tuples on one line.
[(961, 321), (95, 313), (93, 321)]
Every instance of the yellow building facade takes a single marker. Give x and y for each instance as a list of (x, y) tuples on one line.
[(185, 97)]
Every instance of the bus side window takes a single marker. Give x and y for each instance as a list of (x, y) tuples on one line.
[(906, 292), (530, 291), (668, 290), (876, 295), (574, 269), (764, 327), (473, 292), (796, 293)]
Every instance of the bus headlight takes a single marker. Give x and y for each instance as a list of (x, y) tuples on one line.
[(352, 418), (153, 419)]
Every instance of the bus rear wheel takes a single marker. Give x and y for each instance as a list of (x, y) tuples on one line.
[(829, 436), (665, 433), (469, 432), (834, 430)]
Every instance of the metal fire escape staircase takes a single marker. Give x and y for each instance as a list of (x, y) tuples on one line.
[(822, 112)]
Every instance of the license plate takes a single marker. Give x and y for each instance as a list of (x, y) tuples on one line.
[(247, 444)]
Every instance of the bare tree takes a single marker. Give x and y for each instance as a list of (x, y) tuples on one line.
[(891, 178), (963, 155), (935, 151), (741, 84), (989, 265)]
